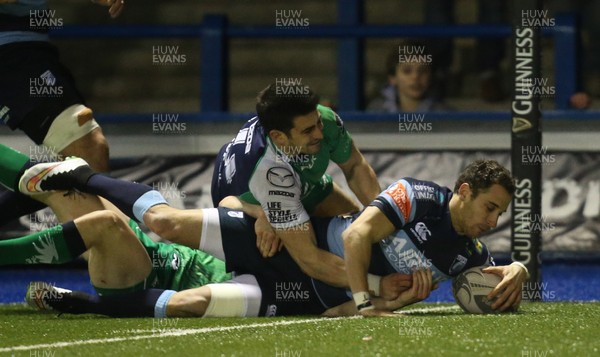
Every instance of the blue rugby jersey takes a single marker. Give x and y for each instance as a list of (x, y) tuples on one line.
[(424, 236)]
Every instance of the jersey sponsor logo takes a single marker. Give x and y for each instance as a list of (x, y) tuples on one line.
[(281, 193), (457, 265), (403, 255), (280, 177), (235, 214), (398, 194), (421, 231), (423, 192), (281, 216)]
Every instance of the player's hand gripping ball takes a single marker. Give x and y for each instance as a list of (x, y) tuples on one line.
[(470, 289)]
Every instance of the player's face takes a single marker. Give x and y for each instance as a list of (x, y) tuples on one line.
[(412, 79), (480, 214), (307, 133)]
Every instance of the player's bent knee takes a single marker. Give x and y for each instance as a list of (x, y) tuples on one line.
[(107, 223), (188, 303), (70, 125), (162, 222), (238, 298)]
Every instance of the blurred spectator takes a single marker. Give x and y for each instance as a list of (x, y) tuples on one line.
[(409, 75), (490, 51)]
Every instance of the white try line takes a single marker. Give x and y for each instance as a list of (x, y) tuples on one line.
[(172, 333), (196, 331), (430, 309)]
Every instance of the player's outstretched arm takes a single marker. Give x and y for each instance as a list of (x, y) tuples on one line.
[(360, 177), (370, 227), (300, 241)]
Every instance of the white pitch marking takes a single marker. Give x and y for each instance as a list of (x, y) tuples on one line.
[(430, 309), (184, 332), (174, 333)]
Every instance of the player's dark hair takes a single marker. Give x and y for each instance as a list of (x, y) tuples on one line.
[(482, 174), (279, 103)]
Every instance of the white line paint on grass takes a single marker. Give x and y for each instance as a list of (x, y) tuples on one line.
[(171, 333), (430, 309), (150, 334)]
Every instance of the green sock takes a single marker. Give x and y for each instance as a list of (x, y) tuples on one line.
[(57, 245), (11, 164)]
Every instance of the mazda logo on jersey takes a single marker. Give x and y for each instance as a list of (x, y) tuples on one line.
[(280, 177)]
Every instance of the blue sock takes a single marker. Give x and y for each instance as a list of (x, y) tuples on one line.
[(136, 304), (133, 198)]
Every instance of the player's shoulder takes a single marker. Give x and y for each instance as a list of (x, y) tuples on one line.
[(418, 191), (329, 117), (274, 170), (334, 131)]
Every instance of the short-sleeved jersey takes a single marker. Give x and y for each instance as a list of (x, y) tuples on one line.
[(252, 167), (424, 236)]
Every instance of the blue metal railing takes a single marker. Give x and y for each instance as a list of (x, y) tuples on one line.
[(357, 116), (215, 33)]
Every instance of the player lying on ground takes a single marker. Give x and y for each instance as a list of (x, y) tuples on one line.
[(426, 238), (441, 224), (122, 259)]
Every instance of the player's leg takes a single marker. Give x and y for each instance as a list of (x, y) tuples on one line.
[(176, 225), (31, 74), (116, 259), (75, 132), (12, 203), (335, 203), (134, 199), (66, 207), (240, 296)]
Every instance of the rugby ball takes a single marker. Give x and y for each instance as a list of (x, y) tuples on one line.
[(470, 289)]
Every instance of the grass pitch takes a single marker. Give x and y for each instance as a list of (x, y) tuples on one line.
[(539, 329)]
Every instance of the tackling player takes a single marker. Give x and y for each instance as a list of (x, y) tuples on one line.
[(278, 161)]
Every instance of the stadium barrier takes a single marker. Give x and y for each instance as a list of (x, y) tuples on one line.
[(215, 32)]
